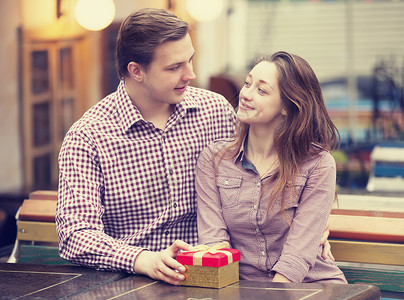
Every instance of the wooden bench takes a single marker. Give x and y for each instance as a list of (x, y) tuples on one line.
[(369, 246), (36, 221)]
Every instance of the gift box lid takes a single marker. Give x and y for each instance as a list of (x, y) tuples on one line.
[(217, 259)]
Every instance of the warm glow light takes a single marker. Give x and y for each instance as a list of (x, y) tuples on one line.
[(94, 14), (206, 10)]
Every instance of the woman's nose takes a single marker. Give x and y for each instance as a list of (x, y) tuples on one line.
[(246, 94)]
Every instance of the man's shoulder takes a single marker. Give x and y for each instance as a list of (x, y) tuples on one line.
[(209, 103), (198, 94), (97, 114)]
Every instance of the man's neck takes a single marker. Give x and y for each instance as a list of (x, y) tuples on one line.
[(158, 115), (151, 111)]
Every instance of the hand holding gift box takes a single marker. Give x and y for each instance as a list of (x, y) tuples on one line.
[(215, 266)]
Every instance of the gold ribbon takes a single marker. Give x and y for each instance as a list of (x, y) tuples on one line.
[(201, 250)]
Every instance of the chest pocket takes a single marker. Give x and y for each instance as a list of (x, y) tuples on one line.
[(229, 190), (284, 218), (293, 193)]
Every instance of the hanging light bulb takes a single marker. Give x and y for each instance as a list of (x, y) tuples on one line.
[(95, 14), (204, 11)]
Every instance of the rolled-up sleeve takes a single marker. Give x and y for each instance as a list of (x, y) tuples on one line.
[(79, 212)]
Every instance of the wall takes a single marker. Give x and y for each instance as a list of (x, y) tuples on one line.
[(13, 15), (334, 36), (10, 155)]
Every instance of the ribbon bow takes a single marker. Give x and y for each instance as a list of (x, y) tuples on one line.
[(203, 249)]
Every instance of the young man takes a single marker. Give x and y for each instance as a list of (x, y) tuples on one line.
[(127, 166)]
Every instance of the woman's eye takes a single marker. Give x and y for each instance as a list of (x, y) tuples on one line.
[(262, 91), (246, 83)]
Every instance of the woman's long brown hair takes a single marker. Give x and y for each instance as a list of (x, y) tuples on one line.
[(306, 123)]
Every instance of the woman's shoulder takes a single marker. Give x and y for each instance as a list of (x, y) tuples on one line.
[(322, 157), (216, 146), (222, 143)]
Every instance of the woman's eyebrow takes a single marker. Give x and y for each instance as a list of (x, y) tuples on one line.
[(265, 82)]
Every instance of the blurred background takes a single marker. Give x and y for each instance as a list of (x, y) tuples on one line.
[(55, 64)]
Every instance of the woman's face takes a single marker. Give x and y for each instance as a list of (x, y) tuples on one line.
[(260, 100)]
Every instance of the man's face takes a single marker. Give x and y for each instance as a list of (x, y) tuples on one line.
[(170, 72)]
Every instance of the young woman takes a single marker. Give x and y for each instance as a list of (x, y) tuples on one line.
[(269, 192)]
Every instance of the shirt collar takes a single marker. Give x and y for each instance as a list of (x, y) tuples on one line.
[(127, 110), (130, 114), (245, 163), (190, 100), (241, 154)]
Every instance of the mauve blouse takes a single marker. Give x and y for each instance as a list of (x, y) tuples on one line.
[(230, 209)]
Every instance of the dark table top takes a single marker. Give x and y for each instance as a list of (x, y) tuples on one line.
[(25, 281)]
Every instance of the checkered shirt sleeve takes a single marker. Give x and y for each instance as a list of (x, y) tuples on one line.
[(125, 186)]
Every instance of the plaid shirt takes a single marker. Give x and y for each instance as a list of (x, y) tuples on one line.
[(125, 186)]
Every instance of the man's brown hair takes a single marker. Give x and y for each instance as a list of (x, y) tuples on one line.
[(141, 32)]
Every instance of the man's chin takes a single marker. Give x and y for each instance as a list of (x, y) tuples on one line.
[(177, 99)]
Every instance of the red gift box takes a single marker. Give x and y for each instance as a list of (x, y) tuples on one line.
[(216, 259), (213, 267)]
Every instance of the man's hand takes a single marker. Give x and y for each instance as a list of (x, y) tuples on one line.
[(280, 278), (162, 265), (326, 244)]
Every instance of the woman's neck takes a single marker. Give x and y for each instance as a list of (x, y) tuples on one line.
[(261, 150)]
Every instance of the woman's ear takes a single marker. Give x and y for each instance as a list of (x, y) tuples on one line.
[(135, 71), (284, 113)]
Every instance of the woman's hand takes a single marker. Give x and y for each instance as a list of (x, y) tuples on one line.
[(326, 244), (162, 265)]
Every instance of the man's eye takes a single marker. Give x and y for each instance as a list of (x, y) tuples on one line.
[(175, 68)]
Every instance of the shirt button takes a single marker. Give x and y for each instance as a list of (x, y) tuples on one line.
[(170, 171), (166, 232), (164, 137), (226, 182), (255, 207), (262, 253), (175, 204), (258, 184), (257, 230)]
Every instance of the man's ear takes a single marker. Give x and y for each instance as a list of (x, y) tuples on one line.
[(135, 71)]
